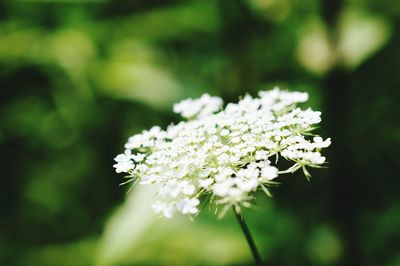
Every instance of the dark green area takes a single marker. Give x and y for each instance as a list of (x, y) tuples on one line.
[(78, 78)]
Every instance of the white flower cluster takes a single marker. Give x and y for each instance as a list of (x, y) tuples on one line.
[(220, 155)]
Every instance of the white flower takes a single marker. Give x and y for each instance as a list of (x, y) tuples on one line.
[(188, 206), (123, 167), (320, 143), (124, 162), (166, 210), (223, 155), (261, 155), (187, 188), (202, 107), (224, 132), (222, 189), (138, 157), (269, 173), (247, 185), (206, 183)]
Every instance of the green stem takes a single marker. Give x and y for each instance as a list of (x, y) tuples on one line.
[(249, 238)]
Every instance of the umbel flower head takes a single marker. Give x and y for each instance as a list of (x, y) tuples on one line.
[(223, 156)]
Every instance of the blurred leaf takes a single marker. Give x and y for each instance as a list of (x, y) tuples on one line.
[(325, 247), (314, 50), (361, 35), (134, 235), (71, 48), (275, 10), (145, 82), (77, 253), (180, 21)]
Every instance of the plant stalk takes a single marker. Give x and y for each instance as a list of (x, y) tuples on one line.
[(249, 238)]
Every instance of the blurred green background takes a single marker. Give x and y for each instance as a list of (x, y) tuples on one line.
[(78, 78)]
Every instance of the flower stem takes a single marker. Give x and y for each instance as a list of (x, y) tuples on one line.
[(249, 238)]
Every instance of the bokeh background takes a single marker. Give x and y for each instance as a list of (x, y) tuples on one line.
[(78, 78)]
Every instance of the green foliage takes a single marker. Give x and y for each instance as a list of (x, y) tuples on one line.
[(78, 77)]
